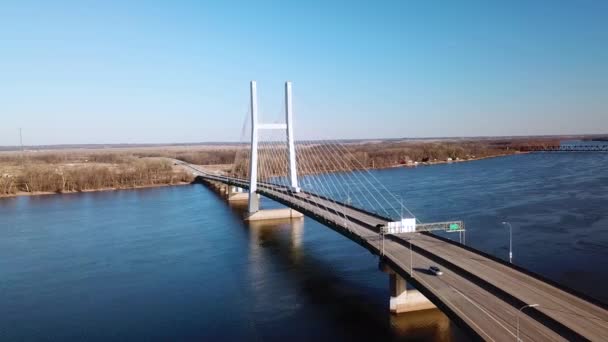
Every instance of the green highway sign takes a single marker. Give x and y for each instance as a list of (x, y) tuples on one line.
[(449, 226)]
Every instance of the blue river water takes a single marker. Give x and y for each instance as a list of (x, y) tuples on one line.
[(179, 263)]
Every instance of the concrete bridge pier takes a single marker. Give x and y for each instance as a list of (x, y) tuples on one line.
[(218, 187), (233, 194), (274, 214), (236, 194), (404, 297)]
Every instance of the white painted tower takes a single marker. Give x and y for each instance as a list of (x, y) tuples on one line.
[(254, 201), (254, 204), (293, 172)]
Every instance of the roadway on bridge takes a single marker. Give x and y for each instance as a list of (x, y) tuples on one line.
[(484, 294), (577, 314)]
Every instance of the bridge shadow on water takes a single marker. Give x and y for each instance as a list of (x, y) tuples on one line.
[(354, 310)]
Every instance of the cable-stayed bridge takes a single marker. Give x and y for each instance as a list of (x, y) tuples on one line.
[(492, 299)]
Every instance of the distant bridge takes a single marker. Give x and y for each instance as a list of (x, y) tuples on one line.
[(492, 299), (579, 147)]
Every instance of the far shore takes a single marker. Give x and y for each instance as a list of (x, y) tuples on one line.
[(214, 167), (439, 162), (45, 193)]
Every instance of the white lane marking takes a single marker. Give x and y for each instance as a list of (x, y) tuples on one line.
[(480, 308), (454, 307)]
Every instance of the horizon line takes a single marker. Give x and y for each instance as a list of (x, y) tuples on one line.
[(7, 148)]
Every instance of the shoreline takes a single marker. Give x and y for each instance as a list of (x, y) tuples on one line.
[(47, 193), (432, 163), (440, 162)]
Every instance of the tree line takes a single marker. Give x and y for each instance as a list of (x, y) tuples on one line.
[(59, 178)]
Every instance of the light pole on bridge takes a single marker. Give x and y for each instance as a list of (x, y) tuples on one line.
[(409, 240), (510, 241), (383, 242), (411, 259), (381, 231)]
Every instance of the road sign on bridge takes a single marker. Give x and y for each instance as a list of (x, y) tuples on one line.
[(448, 226), (406, 225)]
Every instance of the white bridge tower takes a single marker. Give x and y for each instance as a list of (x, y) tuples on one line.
[(254, 204)]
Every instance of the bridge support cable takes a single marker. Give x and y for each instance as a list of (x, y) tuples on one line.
[(264, 162), (268, 163), (338, 171), (241, 147), (367, 192), (276, 163), (345, 151), (352, 171), (276, 157), (319, 187), (277, 154), (380, 184), (271, 164), (277, 160), (345, 182), (364, 173), (327, 177), (323, 189), (339, 163), (331, 173)]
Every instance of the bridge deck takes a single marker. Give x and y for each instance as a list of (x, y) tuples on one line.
[(490, 317), (574, 312), (482, 294)]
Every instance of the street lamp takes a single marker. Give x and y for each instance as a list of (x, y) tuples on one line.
[(521, 311), (382, 241), (411, 259), (510, 241), (401, 205), (381, 231)]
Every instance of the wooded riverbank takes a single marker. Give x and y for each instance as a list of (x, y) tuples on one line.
[(60, 171), (75, 174)]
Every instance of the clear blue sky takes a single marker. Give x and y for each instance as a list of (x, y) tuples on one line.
[(178, 71)]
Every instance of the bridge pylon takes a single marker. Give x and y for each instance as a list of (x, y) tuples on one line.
[(256, 127)]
